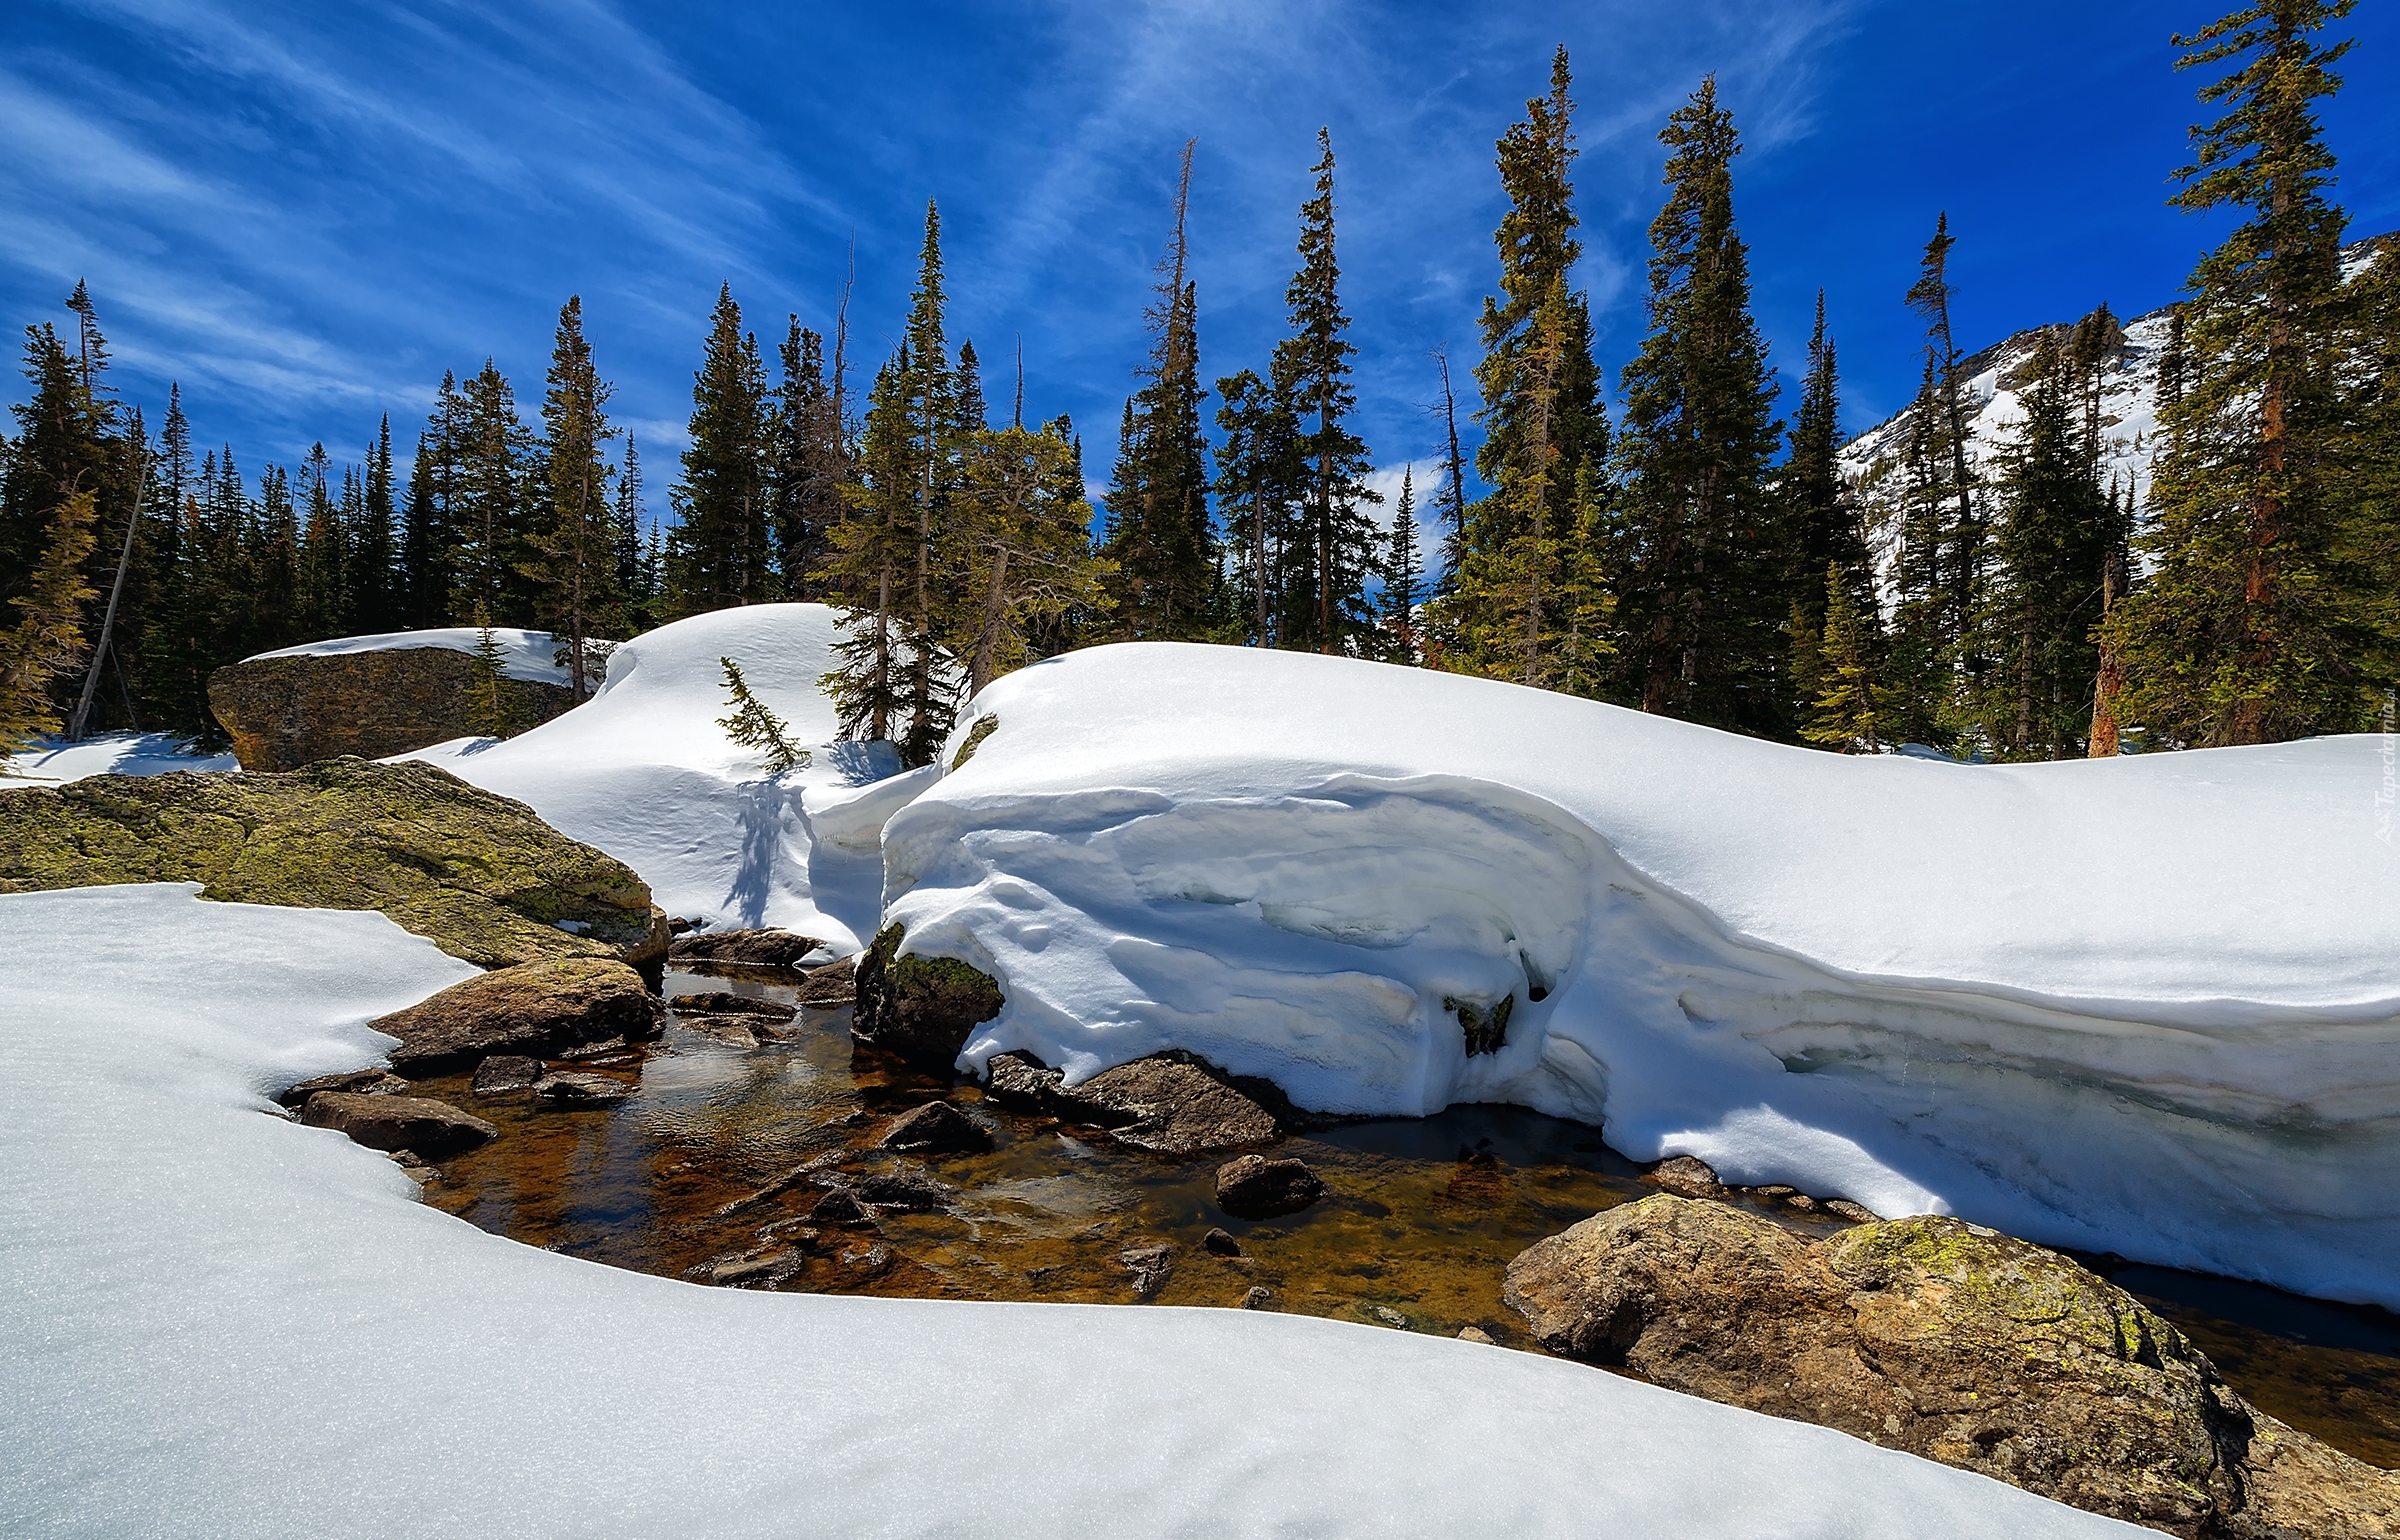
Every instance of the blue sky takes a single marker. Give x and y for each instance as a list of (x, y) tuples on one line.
[(306, 212)]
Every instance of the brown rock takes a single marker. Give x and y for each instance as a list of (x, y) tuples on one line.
[(722, 1003), (365, 1082), (578, 1088), (1257, 1297), (287, 712), (1171, 1104), (1150, 1267), (829, 986), (1256, 1187), (744, 948), (1221, 1243), (505, 1072), (839, 1207), (1020, 1081), (1687, 1176), (1857, 1214), (435, 1130), (1476, 1334), (541, 1009), (909, 1189), (1948, 1341), (937, 1128), (921, 1008)]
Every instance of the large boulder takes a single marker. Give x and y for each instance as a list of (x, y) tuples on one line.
[(541, 1010), (921, 1008), (287, 712), (1171, 1103), (479, 875), (434, 1130), (1949, 1341)]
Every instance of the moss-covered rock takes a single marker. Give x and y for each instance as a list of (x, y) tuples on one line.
[(921, 1008), (1952, 1342), (287, 712), (479, 875)]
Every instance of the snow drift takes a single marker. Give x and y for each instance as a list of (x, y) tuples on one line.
[(2144, 1004), (527, 655), (643, 772), (214, 1322)]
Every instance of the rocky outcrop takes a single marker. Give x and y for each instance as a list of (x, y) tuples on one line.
[(937, 1128), (543, 1010), (1951, 1342), (479, 875), (434, 1130), (743, 948), (1170, 1103), (1255, 1187), (921, 1008), (287, 712)]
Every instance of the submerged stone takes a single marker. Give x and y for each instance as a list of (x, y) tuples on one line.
[(937, 1128), (1257, 1188)]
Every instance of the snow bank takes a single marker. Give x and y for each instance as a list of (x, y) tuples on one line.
[(2146, 1004), (215, 1322), (53, 761), (643, 771), (528, 655)]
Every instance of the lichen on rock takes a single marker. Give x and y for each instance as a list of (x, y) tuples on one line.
[(921, 1008), (1952, 1342), (479, 875)]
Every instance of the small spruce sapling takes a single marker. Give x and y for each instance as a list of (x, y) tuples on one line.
[(753, 726), (491, 705)]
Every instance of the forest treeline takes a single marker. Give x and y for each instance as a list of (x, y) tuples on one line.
[(1690, 553)]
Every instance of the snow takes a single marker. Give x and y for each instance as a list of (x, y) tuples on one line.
[(528, 655), (2144, 1005), (54, 761), (644, 772), (216, 1322)]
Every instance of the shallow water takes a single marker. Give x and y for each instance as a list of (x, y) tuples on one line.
[(703, 1166)]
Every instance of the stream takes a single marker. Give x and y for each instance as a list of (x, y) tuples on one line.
[(699, 1173)]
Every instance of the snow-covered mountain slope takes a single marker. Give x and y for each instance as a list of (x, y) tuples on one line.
[(528, 655), (2142, 1004), (643, 771), (218, 1323), (2129, 403)]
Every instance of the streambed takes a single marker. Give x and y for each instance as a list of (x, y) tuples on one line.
[(698, 1174)]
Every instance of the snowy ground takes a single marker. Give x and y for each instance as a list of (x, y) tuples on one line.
[(528, 655), (2145, 1004), (53, 762), (643, 771), (214, 1322)]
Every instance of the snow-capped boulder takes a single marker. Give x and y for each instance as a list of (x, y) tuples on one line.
[(2142, 1004), (375, 696)]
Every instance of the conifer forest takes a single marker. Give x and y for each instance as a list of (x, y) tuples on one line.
[(1667, 532)]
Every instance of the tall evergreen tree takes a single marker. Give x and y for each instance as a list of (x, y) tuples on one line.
[(1826, 523), (1700, 580), (487, 502), (873, 555), (426, 584), (1258, 488), (1022, 528), (322, 579), (2240, 634), (1159, 532), (718, 552), (1403, 577), (47, 640), (637, 574), (811, 464), (571, 551), (375, 576), (1336, 545), (274, 566)]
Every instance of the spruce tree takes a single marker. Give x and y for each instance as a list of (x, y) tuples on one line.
[(375, 575), (752, 725), (323, 553), (571, 551), (1825, 522), (719, 551), (487, 502), (2240, 633), (1845, 705), (274, 563), (811, 464), (1950, 485), (1159, 532), (1403, 577), (426, 582), (873, 552), (1259, 477), (47, 641), (1022, 528), (491, 705), (1700, 585), (637, 575), (1336, 546)]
